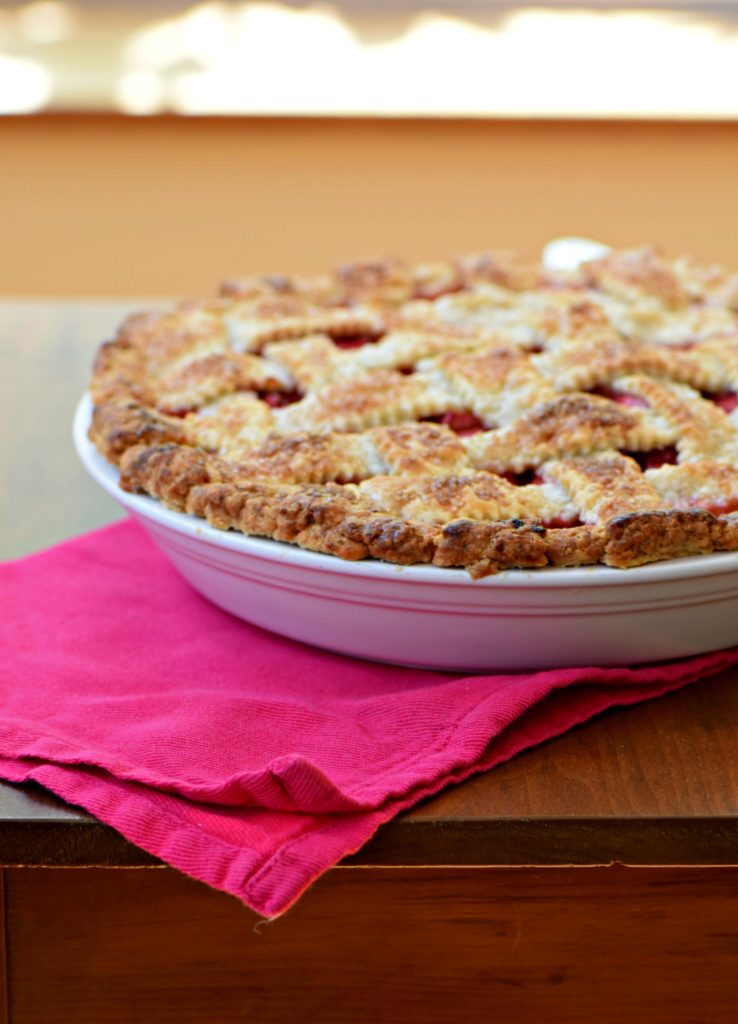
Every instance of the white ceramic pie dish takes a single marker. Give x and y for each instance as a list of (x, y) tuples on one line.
[(441, 618)]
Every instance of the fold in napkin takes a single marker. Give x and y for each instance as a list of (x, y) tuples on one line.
[(246, 760)]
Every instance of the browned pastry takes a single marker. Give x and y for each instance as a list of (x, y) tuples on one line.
[(480, 412)]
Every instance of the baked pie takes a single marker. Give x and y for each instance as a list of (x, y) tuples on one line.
[(482, 412)]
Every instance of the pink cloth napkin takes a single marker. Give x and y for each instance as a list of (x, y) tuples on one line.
[(248, 761)]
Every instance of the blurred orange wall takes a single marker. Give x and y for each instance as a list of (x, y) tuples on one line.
[(105, 206)]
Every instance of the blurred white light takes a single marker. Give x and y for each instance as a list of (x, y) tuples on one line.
[(285, 26), (155, 46), (206, 33), (25, 86), (49, 21), (269, 58), (140, 92)]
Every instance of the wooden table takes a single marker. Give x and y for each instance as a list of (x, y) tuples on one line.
[(593, 878)]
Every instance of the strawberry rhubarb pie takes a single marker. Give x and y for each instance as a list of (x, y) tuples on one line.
[(482, 412)]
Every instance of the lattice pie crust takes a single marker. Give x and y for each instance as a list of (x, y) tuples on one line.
[(481, 412)]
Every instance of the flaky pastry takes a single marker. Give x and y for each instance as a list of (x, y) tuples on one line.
[(481, 412)]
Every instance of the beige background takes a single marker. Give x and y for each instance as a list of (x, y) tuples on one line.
[(109, 206)]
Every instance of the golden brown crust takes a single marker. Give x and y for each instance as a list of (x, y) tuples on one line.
[(118, 426), (254, 411), (485, 548), (580, 545), (634, 273), (640, 537), (307, 458), (168, 472), (479, 496), (606, 485), (373, 536), (570, 424), (419, 449)]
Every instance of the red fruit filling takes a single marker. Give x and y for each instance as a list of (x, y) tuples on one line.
[(355, 340), (719, 507), (634, 401), (727, 400), (528, 476), (462, 423), (655, 458), (278, 399), (622, 398)]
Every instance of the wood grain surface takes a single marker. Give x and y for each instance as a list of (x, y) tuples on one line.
[(557, 946)]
